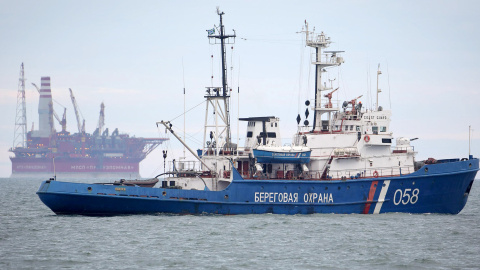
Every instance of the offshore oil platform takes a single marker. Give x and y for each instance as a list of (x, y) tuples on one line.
[(45, 152)]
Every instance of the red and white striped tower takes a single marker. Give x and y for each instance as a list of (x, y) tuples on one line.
[(45, 117)]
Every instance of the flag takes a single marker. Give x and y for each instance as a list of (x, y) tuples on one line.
[(211, 31)]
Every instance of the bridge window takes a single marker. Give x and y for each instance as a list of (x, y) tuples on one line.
[(383, 129), (269, 134), (249, 134)]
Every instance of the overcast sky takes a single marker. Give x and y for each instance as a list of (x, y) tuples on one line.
[(136, 57)]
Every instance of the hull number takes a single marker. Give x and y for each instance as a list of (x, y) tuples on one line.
[(406, 196), (286, 197)]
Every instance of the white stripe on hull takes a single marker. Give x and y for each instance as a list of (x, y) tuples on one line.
[(381, 197)]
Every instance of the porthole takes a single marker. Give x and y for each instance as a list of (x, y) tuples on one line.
[(426, 169), (326, 188), (164, 193), (89, 188)]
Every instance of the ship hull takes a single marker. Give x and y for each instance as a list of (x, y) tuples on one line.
[(440, 188)]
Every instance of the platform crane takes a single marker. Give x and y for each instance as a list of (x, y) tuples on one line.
[(101, 119), (81, 127), (63, 122)]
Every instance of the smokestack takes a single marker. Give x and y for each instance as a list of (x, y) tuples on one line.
[(44, 111)]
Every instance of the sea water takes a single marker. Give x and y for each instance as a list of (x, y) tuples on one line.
[(33, 237)]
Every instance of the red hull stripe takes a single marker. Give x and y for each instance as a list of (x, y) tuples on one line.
[(373, 188)]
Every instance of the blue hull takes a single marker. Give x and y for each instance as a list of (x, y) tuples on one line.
[(442, 188)]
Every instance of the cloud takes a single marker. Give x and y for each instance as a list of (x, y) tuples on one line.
[(459, 136), (7, 96), (115, 91)]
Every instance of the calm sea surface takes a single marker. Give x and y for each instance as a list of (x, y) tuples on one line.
[(31, 236)]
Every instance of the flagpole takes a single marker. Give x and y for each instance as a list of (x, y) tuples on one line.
[(184, 135)]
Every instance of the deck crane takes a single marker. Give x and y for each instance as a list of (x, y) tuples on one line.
[(329, 96), (81, 127), (63, 121), (355, 107)]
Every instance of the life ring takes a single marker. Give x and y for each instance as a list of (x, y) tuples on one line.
[(375, 174), (366, 138)]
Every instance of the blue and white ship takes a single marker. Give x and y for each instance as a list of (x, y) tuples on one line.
[(345, 162)]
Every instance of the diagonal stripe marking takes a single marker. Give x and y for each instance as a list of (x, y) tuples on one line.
[(371, 194), (381, 197)]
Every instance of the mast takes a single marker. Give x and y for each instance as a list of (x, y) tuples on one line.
[(224, 39), (379, 72), (330, 59), (20, 134), (218, 98), (469, 141)]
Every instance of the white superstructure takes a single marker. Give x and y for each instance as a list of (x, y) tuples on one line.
[(345, 140), (350, 141)]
